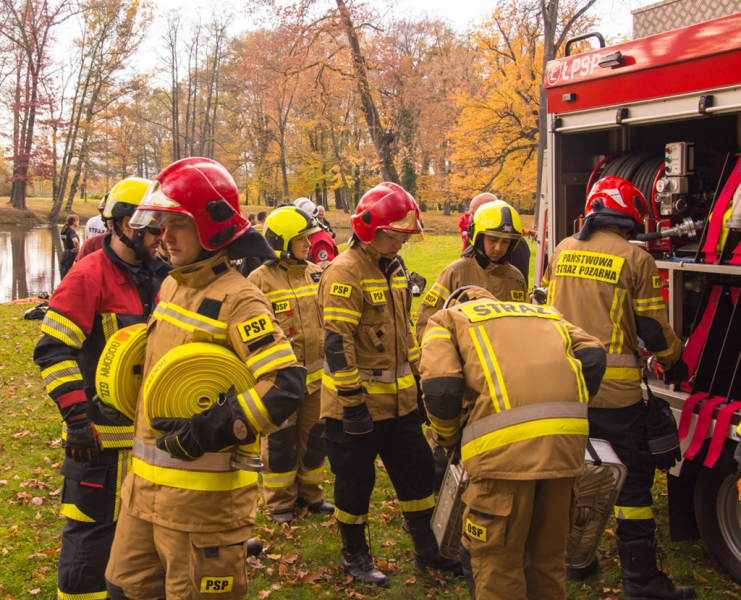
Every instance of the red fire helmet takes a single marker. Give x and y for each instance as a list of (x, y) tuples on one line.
[(202, 189), (615, 195), (386, 206)]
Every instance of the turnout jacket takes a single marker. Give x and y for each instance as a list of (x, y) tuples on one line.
[(611, 288), (371, 355), (511, 382), (292, 291), (504, 281), (95, 300), (209, 301)]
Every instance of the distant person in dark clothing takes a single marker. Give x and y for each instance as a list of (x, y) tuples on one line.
[(252, 218), (71, 243)]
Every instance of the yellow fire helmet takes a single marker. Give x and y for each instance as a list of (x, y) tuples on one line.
[(124, 197), (284, 224), (497, 219)]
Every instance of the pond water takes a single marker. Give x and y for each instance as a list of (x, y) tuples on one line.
[(29, 260)]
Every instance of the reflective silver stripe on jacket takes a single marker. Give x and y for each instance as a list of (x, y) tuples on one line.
[(524, 414), (213, 462), (386, 376), (622, 360)]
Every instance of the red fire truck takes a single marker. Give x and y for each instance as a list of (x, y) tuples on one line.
[(665, 113)]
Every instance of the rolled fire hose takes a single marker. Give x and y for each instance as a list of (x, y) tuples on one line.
[(188, 380), (118, 376)]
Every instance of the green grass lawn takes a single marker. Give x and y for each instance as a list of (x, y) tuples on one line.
[(300, 562)]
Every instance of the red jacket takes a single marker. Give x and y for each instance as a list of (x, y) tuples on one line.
[(98, 297), (91, 245)]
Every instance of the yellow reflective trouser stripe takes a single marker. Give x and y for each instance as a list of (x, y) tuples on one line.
[(328, 382), (377, 387), (631, 513), (346, 517), (417, 505), (63, 329), (623, 373), (279, 480), (72, 512), (274, 356), (255, 411), (334, 313), (194, 480), (616, 314), (112, 436), (313, 475), (414, 354), (522, 432), (86, 596), (575, 364), (493, 374)]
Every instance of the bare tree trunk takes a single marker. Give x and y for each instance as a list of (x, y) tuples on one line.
[(382, 140)]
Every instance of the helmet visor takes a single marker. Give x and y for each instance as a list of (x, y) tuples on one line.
[(409, 225)]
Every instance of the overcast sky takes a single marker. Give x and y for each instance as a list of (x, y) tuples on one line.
[(616, 17)]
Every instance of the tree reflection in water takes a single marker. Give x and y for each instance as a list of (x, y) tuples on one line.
[(29, 260)]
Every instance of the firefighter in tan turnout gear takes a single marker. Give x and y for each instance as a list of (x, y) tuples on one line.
[(294, 455), (187, 512), (612, 289), (369, 393), (495, 231), (522, 443)]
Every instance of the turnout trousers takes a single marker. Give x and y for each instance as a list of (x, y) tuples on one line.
[(516, 533), (625, 428), (406, 457), (152, 562), (293, 458), (91, 503)]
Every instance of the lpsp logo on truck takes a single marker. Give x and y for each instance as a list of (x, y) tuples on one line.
[(575, 67)]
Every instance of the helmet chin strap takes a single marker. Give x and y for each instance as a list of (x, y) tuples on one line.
[(135, 244)]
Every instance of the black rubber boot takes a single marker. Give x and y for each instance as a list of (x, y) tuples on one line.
[(356, 559), (642, 579), (282, 516), (465, 556), (321, 507), (426, 552), (581, 573)]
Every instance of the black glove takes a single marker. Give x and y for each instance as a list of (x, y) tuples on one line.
[(112, 414), (679, 373), (663, 439), (454, 453), (83, 441), (222, 425), (356, 420)]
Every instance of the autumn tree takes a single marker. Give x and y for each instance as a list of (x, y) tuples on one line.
[(111, 30), (27, 26)]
